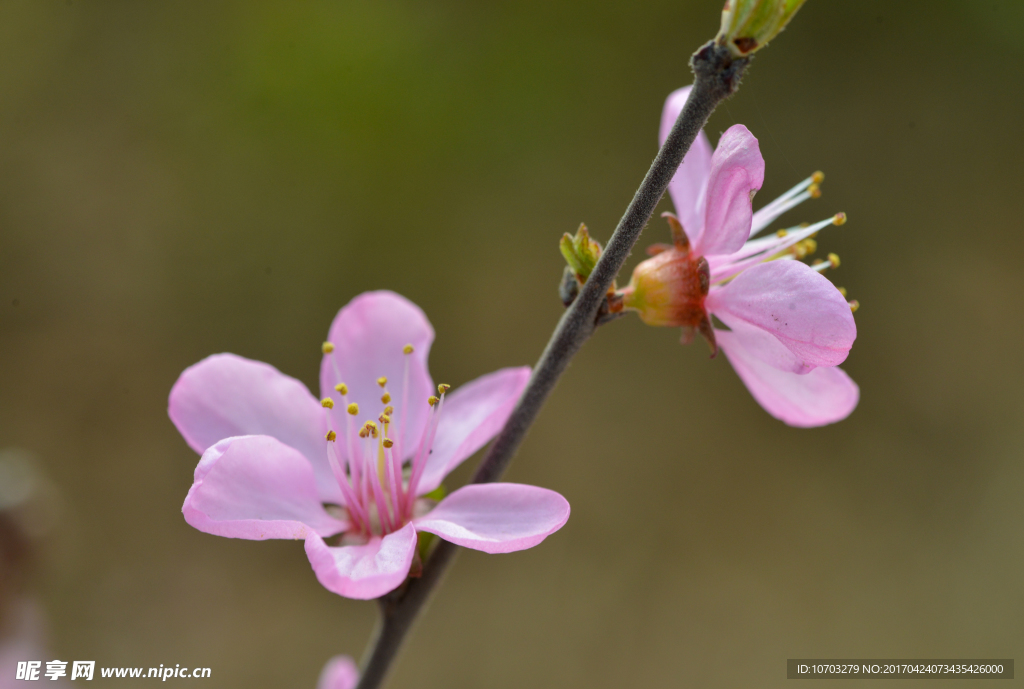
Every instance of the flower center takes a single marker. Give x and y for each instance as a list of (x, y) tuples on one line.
[(378, 486)]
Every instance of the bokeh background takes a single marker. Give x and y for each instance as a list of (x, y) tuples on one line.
[(179, 179)]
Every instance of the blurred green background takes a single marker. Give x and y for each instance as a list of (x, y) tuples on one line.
[(179, 179)]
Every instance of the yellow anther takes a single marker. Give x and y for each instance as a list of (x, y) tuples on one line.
[(327, 402), (834, 259), (384, 418), (385, 398), (842, 291), (353, 409), (804, 248), (854, 305), (341, 388), (363, 432), (815, 191), (389, 410), (382, 381), (818, 177), (327, 347), (442, 388), (840, 219), (432, 400), (371, 425), (331, 435), (781, 233), (373, 431), (407, 349), (388, 442)]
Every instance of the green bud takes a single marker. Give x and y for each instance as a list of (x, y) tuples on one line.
[(748, 25), (580, 252)]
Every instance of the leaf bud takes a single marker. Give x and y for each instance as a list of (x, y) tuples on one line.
[(580, 252), (748, 25)]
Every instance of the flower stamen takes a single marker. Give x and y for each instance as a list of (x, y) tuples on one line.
[(804, 248), (822, 266), (426, 445), (386, 475), (406, 350), (394, 477), (347, 491), (375, 486), (328, 349), (370, 473), (352, 504), (809, 188), (766, 248), (350, 462)]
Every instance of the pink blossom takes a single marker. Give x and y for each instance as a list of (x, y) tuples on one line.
[(23, 632), (788, 326), (339, 673), (278, 463)]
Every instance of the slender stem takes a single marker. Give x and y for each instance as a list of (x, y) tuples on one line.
[(717, 77)]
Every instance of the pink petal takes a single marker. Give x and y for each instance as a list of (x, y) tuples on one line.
[(256, 487), (688, 184), (339, 673), (765, 346), (737, 171), (497, 517), (368, 335), (363, 571), (823, 396), (799, 306), (226, 395), (471, 416)]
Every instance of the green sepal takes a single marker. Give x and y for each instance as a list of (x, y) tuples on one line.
[(437, 494), (424, 542), (424, 539)]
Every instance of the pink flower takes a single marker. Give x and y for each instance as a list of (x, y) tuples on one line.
[(277, 463), (339, 673), (789, 327)]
